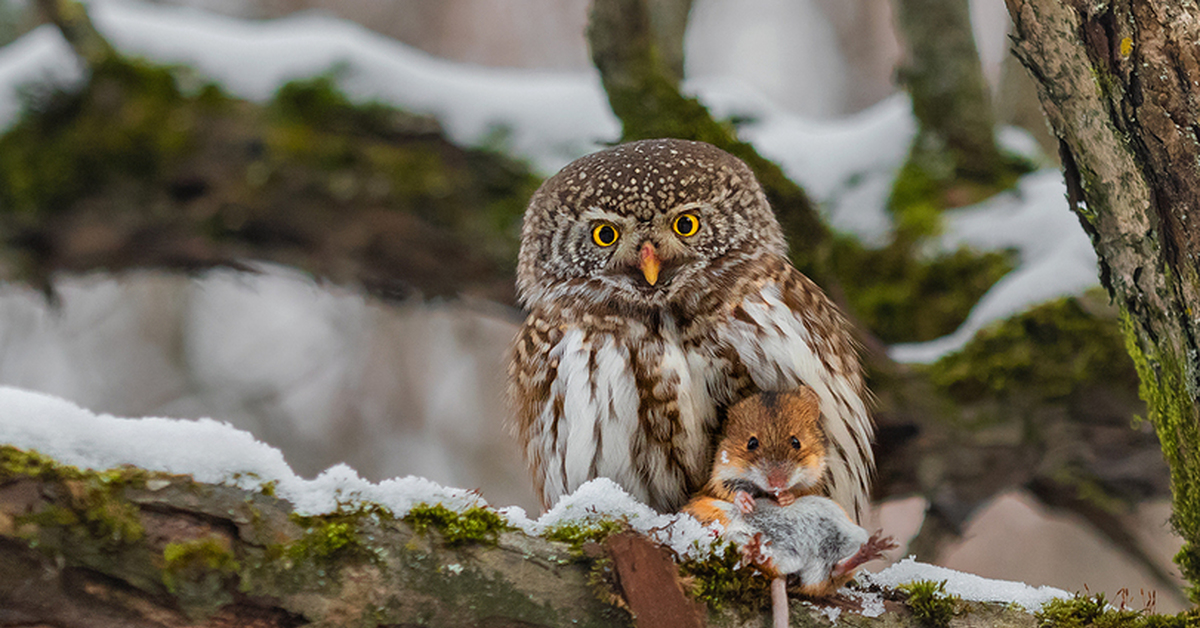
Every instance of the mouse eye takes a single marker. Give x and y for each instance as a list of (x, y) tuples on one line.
[(752, 444), (795, 443)]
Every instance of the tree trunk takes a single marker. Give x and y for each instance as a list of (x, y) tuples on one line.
[(1119, 85), (955, 142), (668, 19)]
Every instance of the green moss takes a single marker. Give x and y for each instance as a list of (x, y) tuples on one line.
[(1095, 612), (333, 536), (169, 153), (1172, 410), (318, 102), (324, 539), (901, 297), (131, 122), (916, 202), (929, 602), (1050, 350), (347, 153), (91, 501), (16, 463), (931, 181), (576, 533), (474, 525), (722, 580), (197, 560)]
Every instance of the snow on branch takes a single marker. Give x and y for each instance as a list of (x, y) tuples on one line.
[(176, 522)]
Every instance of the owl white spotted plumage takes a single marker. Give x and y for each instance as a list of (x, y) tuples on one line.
[(659, 294)]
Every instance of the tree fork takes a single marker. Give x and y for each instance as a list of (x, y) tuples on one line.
[(643, 90), (1118, 82)]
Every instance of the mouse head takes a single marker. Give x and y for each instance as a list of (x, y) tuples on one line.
[(773, 443)]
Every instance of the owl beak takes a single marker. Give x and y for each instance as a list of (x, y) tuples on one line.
[(650, 263)]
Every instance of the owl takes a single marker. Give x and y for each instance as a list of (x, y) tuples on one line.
[(659, 293)]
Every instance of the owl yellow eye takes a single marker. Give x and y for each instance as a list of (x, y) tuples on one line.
[(686, 224), (605, 234)]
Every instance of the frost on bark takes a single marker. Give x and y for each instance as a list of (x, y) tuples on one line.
[(1120, 84)]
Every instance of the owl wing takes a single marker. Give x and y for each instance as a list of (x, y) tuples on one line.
[(789, 333)]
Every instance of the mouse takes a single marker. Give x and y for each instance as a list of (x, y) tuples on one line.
[(766, 489)]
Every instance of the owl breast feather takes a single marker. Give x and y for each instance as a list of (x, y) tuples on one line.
[(638, 402)]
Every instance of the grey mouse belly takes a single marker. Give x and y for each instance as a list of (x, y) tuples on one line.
[(808, 537)]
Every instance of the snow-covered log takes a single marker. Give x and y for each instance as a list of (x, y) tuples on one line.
[(161, 522), (130, 548)]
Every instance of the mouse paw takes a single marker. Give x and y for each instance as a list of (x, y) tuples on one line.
[(744, 502), (752, 553), (872, 549)]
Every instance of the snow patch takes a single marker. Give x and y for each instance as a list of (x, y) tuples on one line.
[(1056, 257), (217, 453), (209, 451), (602, 499), (969, 587)]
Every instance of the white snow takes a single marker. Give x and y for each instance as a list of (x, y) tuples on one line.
[(603, 499), (1057, 258), (218, 453), (39, 58), (553, 117), (967, 586), (207, 450)]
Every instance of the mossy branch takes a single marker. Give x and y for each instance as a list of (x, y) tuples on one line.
[(128, 547), (72, 19)]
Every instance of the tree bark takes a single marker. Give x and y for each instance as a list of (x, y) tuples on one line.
[(137, 549), (1118, 82), (668, 20)]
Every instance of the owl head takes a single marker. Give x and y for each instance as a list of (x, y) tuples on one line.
[(647, 224)]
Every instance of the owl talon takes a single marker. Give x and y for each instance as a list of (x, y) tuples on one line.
[(753, 553)]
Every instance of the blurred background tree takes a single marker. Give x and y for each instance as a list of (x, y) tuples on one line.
[(148, 165)]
